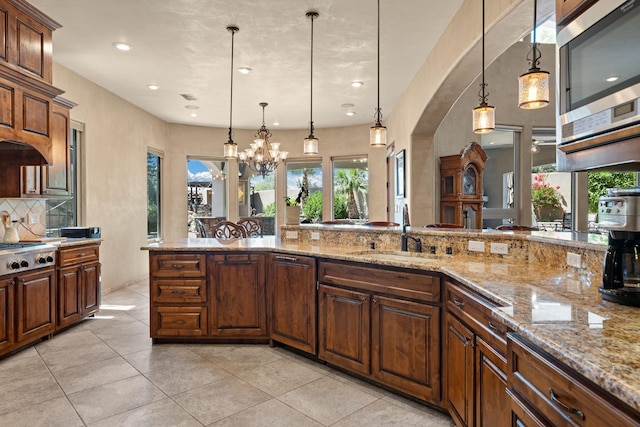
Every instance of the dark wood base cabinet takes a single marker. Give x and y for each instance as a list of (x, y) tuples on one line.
[(291, 287)]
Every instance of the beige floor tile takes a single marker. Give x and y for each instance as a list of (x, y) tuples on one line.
[(107, 318), (280, 376), (359, 384), (141, 288), (57, 412), (163, 413), (133, 328), (127, 344), (241, 357), (220, 399), (70, 339), (93, 374), (164, 357), (327, 400), (182, 377), (16, 368), (114, 398), (270, 413), (64, 358), (18, 394), (418, 408), (385, 413)]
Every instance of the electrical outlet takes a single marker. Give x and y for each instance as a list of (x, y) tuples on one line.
[(315, 235), (33, 218), (291, 235), (574, 260), (476, 246), (499, 248)]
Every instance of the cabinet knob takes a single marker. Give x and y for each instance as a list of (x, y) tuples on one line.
[(178, 266)]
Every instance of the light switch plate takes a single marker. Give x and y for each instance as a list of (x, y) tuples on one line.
[(291, 234), (574, 260), (476, 246), (500, 248), (315, 235)]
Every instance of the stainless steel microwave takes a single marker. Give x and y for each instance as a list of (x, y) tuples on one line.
[(599, 78)]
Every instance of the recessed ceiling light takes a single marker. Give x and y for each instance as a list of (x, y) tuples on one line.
[(244, 70), (276, 123), (153, 86), (612, 78), (125, 47), (351, 113), (491, 143), (193, 114), (191, 107), (357, 84), (347, 105)]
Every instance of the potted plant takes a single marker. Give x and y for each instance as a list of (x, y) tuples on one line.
[(546, 199), (291, 212)]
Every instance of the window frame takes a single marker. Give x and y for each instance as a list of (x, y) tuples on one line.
[(160, 159)]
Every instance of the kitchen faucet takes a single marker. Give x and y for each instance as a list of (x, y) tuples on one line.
[(404, 237)]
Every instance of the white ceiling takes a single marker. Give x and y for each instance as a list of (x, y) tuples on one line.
[(183, 46)]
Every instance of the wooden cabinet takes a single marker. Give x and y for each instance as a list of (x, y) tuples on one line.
[(238, 303), (475, 352), (35, 309), (7, 302), (547, 392), (292, 301), (383, 323), (78, 283), (568, 10), (52, 180)]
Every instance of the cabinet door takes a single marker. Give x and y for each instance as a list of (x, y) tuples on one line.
[(344, 325), (492, 402), (406, 346), (6, 313), (30, 181), (459, 371), (69, 304), (292, 290), (238, 307), (90, 289), (55, 178), (36, 305)]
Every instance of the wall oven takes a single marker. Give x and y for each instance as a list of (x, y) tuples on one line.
[(599, 83)]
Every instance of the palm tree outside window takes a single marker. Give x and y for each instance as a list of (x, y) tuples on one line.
[(351, 188)]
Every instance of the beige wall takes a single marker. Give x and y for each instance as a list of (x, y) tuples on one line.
[(117, 135)]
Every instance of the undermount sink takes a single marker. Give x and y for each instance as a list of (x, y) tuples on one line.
[(397, 256)]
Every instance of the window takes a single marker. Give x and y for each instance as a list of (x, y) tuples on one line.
[(500, 177), (64, 213), (304, 185), (351, 188), (153, 195), (206, 194)]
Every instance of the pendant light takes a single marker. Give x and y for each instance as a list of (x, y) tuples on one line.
[(484, 119), (311, 142), (230, 147), (533, 86), (378, 132)]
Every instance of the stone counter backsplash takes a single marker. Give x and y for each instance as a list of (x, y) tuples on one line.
[(547, 248)]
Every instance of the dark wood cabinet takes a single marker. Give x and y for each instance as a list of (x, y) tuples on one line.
[(383, 323), (36, 298), (6, 313), (79, 286), (475, 353), (405, 343), (292, 301), (238, 304), (568, 10), (344, 323)]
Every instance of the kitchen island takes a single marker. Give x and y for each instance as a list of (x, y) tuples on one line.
[(555, 308)]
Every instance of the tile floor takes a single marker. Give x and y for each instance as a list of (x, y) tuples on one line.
[(106, 372)]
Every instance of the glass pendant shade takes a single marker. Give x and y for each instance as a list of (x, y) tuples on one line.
[(311, 145), (533, 89), (484, 119), (230, 150), (378, 135)]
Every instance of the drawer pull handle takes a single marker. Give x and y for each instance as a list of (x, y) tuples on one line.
[(80, 254), (495, 328), (458, 302), (556, 399), (178, 266), (178, 322), (178, 292), (286, 258)]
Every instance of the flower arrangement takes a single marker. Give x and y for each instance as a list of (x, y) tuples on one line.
[(546, 199)]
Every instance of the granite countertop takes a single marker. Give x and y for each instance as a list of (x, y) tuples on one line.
[(559, 309)]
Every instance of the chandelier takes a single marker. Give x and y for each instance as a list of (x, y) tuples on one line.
[(263, 156)]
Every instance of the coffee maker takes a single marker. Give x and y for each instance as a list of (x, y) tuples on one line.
[(619, 213)]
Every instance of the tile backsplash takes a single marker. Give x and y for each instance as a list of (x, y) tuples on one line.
[(29, 214)]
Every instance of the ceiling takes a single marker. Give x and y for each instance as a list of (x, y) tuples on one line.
[(183, 47)]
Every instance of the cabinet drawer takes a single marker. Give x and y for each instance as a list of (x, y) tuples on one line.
[(79, 254), (177, 290), (557, 393), (179, 322), (177, 265), (475, 311), (390, 281)]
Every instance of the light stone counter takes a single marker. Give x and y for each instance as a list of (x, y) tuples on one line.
[(556, 307)]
